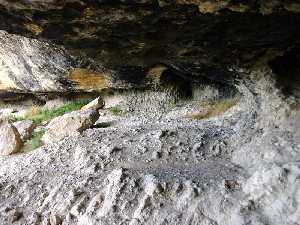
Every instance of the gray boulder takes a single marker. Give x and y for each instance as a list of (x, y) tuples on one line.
[(69, 124)]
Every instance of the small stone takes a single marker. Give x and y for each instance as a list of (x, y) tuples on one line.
[(96, 104), (179, 143), (20, 113), (231, 185), (10, 140), (197, 146), (45, 221), (143, 149), (115, 149)]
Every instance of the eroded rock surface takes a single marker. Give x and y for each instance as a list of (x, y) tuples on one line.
[(132, 38), (236, 168)]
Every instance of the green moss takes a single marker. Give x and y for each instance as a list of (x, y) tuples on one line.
[(34, 143), (115, 110), (172, 104), (46, 115), (39, 115)]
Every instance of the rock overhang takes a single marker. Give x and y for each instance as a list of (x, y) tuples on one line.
[(131, 37)]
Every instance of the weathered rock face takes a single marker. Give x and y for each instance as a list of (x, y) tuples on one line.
[(133, 37), (31, 65), (69, 124), (10, 140)]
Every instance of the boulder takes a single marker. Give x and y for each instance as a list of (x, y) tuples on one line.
[(10, 140), (25, 128), (96, 104), (69, 124)]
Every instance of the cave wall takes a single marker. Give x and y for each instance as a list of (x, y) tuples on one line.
[(195, 39)]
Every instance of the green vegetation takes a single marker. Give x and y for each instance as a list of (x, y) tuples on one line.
[(213, 108), (115, 110), (39, 115), (34, 143), (172, 104)]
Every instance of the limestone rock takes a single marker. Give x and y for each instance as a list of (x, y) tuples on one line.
[(10, 140), (70, 124), (31, 65), (96, 104), (25, 128)]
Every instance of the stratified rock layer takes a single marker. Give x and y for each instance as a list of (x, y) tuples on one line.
[(132, 38), (32, 66)]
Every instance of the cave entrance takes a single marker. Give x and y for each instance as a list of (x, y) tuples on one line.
[(171, 81)]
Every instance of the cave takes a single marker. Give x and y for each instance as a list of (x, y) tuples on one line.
[(149, 112)]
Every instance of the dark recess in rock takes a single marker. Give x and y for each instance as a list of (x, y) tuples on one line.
[(287, 71)]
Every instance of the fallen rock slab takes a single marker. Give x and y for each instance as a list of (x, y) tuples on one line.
[(69, 124), (10, 139), (25, 129), (96, 104)]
